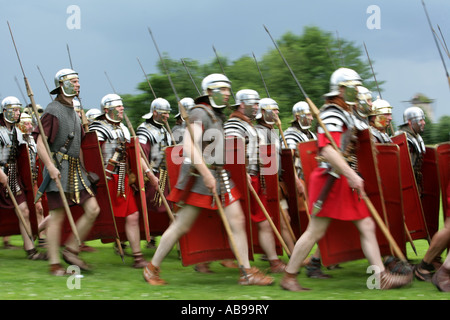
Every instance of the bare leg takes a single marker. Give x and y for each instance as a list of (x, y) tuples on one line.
[(84, 223), (315, 231), (186, 216), (369, 243)]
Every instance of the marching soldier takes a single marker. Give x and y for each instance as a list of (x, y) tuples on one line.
[(154, 138), (298, 132), (26, 126), (207, 115), (240, 125), (380, 119), (63, 129), (113, 136), (266, 117), (413, 126), (10, 140), (342, 202)]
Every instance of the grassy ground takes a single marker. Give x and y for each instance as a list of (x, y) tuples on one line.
[(110, 279)]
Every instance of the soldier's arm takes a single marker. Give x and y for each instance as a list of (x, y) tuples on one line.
[(154, 181), (45, 158)]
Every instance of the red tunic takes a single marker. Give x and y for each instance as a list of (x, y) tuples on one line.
[(341, 203), (122, 206), (201, 200), (257, 213)]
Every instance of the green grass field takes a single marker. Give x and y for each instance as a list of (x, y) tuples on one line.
[(110, 279)]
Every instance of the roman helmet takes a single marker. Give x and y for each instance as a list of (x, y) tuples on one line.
[(249, 97), (380, 108), (9, 109), (268, 105), (188, 104), (62, 80), (109, 105), (91, 114), (414, 115), (159, 105), (302, 109), (364, 105), (350, 80), (215, 82)]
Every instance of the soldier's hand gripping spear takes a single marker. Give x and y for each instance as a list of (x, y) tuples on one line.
[(315, 112), (195, 152), (47, 148)]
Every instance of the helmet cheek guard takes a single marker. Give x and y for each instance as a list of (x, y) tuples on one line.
[(212, 87), (110, 102), (10, 107)]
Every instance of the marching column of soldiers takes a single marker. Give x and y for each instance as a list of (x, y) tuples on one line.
[(126, 186)]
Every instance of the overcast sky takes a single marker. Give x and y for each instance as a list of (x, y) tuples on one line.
[(108, 36)]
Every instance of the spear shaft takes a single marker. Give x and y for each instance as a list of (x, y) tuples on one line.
[(435, 41)]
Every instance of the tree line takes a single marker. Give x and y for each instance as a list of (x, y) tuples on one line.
[(313, 56)]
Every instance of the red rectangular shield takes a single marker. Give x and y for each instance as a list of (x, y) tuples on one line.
[(341, 242), (412, 206), (295, 211), (104, 226), (431, 197), (388, 159), (269, 162), (443, 156), (9, 222), (207, 239)]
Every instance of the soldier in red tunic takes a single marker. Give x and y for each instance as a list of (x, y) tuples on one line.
[(206, 116), (343, 200)]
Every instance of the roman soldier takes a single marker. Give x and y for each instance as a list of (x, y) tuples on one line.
[(300, 131), (26, 126), (240, 125), (154, 138), (208, 178), (11, 138), (266, 117), (379, 120), (413, 125), (64, 132), (113, 136), (343, 200)]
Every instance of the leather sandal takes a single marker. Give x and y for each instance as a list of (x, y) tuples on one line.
[(151, 275), (289, 282), (253, 276), (71, 257)]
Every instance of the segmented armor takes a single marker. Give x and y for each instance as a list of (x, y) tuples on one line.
[(9, 144), (336, 119)]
